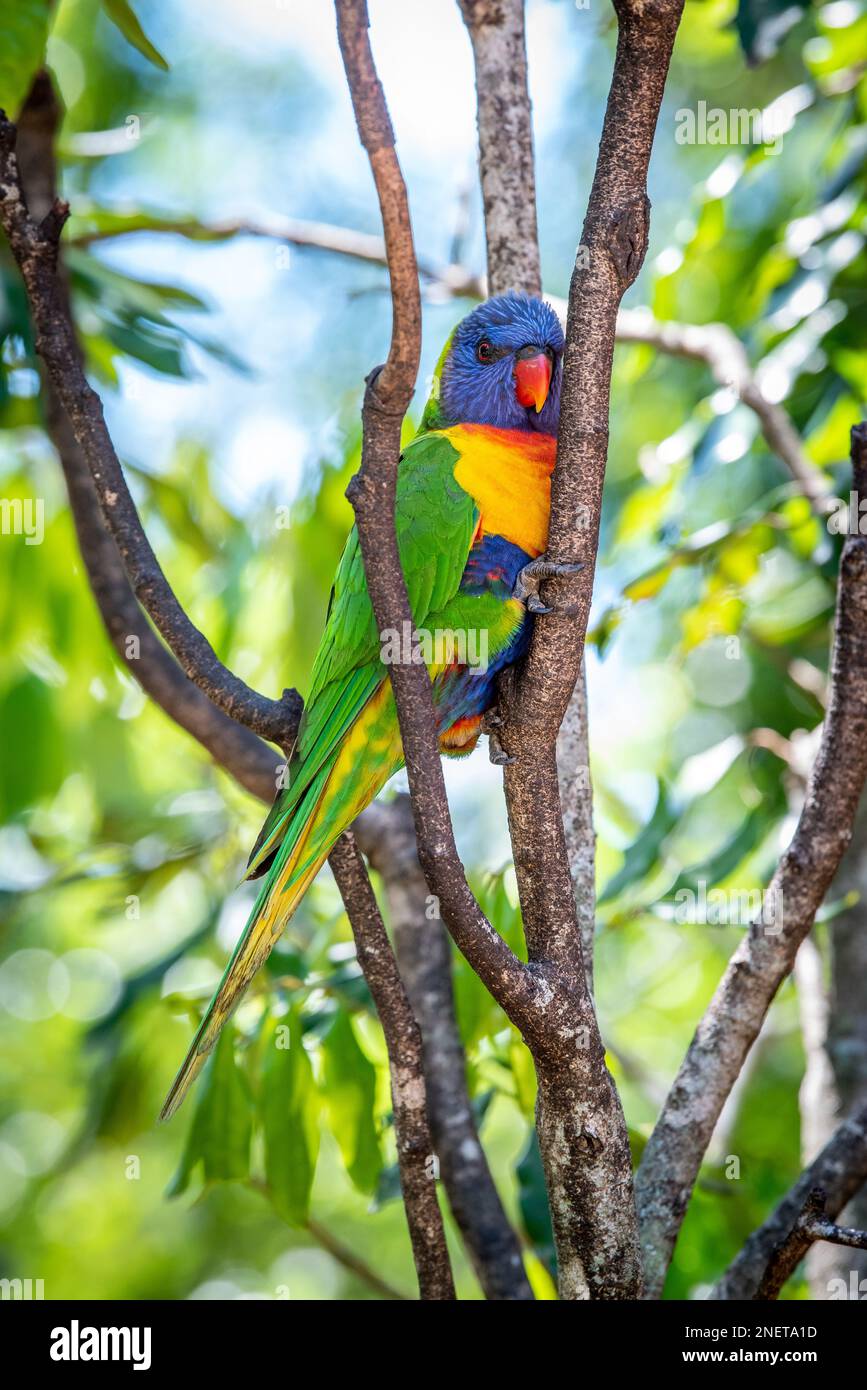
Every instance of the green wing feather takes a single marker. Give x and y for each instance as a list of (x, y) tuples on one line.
[(435, 520)]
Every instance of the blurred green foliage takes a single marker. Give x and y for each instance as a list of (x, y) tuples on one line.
[(121, 845)]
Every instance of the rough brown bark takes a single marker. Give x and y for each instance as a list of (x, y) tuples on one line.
[(508, 178), (387, 837), (581, 1126), (732, 1021), (496, 29), (415, 1150)]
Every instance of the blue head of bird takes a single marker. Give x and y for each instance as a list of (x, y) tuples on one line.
[(504, 366)]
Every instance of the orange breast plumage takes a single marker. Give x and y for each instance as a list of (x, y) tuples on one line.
[(508, 475)]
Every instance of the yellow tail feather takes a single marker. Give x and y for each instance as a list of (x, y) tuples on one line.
[(368, 755), (260, 938)]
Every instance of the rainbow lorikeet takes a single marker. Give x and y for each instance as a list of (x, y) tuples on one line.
[(473, 496)]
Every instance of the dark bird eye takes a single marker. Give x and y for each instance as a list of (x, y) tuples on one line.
[(485, 350)]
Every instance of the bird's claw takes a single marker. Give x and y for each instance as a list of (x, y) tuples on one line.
[(496, 752), (530, 577)]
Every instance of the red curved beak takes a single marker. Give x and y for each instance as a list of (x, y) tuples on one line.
[(532, 378)]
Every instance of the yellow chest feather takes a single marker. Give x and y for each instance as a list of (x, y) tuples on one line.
[(508, 475)]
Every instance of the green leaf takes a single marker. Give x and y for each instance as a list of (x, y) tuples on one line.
[(219, 1137), (763, 24), (728, 857), (34, 761), (102, 283), (349, 1086), (644, 850), (289, 1107), (162, 351), (23, 35), (124, 16)]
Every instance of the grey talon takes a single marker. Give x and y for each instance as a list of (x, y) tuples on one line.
[(527, 583), (535, 604), (496, 752)]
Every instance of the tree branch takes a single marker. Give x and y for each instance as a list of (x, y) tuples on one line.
[(241, 752), (508, 177), (372, 494), (765, 956), (805, 1215), (496, 29), (235, 747), (35, 248), (403, 1042), (811, 1225), (722, 351), (838, 1171), (453, 280), (579, 1113), (386, 835)]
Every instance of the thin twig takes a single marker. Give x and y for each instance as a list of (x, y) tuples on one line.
[(338, 1251), (352, 1262), (452, 280), (721, 350)]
